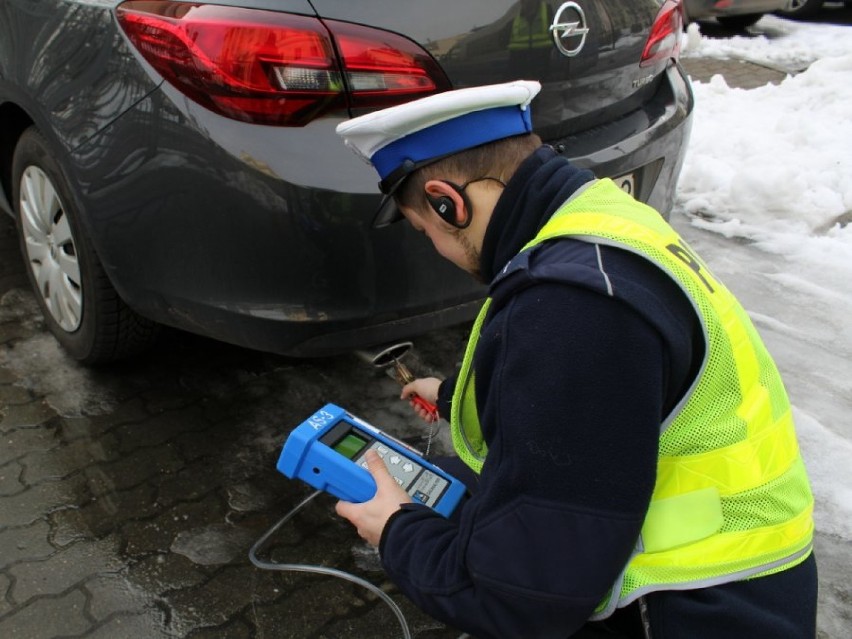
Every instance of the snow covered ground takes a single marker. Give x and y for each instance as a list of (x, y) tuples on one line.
[(766, 198)]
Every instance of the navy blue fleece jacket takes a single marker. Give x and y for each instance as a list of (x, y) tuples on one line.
[(572, 382)]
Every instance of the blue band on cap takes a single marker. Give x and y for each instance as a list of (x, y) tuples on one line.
[(452, 136)]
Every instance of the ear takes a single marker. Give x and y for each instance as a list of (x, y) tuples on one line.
[(449, 202)]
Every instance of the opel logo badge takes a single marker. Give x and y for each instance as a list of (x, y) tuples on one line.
[(569, 35)]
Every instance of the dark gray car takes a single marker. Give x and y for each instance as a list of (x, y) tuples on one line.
[(176, 163)]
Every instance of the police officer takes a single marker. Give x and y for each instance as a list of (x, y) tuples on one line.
[(637, 470)]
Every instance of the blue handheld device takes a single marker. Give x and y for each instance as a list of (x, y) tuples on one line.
[(327, 451)]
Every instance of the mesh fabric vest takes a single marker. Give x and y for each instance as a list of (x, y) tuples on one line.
[(731, 499)]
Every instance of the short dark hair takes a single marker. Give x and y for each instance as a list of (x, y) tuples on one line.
[(499, 159)]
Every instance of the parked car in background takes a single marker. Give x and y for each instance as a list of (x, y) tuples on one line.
[(736, 14), (805, 8), (175, 163)]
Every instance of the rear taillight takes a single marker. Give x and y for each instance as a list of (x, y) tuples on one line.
[(664, 40), (275, 68), (383, 68)]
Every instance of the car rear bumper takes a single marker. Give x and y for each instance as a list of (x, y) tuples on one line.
[(298, 337), (222, 229), (648, 142)]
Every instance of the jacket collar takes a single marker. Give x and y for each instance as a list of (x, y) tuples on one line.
[(537, 189)]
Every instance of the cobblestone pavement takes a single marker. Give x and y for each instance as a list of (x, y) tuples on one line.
[(129, 496)]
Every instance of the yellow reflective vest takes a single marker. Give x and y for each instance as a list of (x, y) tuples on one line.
[(732, 498)]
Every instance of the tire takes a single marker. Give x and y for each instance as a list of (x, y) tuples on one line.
[(801, 9), (739, 22), (79, 304)]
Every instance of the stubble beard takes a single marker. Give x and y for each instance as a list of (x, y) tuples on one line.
[(472, 257)]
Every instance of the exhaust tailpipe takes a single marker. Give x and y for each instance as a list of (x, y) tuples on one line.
[(385, 356)]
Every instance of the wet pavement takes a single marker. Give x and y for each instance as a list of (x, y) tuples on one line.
[(130, 495)]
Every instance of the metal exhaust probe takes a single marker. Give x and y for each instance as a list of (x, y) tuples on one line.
[(387, 358)]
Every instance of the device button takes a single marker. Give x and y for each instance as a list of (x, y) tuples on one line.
[(381, 450), (395, 459), (408, 467)]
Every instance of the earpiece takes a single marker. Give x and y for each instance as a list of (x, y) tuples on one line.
[(444, 206)]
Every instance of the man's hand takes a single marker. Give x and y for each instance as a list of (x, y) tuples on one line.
[(370, 517), (427, 388)]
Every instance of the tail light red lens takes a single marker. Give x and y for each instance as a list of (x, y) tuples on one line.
[(664, 41), (383, 68), (275, 68)]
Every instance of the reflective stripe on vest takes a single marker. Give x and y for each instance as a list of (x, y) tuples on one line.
[(731, 498)]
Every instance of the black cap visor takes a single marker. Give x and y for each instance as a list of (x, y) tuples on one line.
[(388, 212)]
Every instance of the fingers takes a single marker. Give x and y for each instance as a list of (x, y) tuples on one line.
[(344, 509), (422, 394), (426, 414), (426, 387), (408, 390), (370, 517), (377, 468)]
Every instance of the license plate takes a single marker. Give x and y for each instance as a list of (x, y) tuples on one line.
[(626, 183)]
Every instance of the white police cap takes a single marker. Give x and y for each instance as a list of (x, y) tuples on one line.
[(401, 139)]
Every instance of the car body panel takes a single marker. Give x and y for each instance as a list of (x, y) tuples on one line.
[(253, 233)]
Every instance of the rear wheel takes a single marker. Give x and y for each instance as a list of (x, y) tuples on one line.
[(801, 8), (80, 305), (739, 22)]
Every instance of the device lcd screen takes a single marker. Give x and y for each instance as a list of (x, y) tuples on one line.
[(350, 445)]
